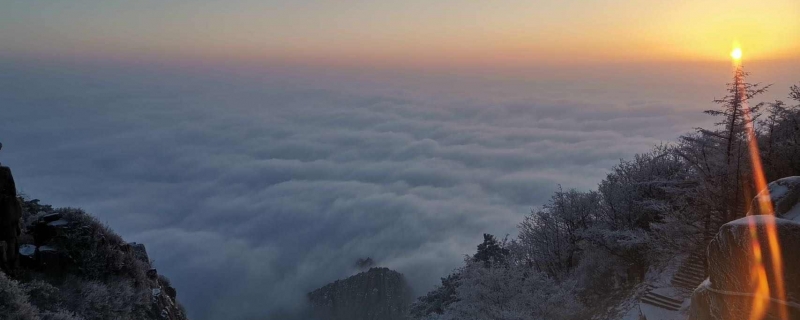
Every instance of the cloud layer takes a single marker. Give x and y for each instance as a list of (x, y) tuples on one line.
[(250, 192)]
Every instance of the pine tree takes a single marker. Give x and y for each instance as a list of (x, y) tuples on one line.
[(720, 156), (490, 251)]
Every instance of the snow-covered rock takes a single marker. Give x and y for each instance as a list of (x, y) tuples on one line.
[(27, 250), (58, 223), (785, 196)]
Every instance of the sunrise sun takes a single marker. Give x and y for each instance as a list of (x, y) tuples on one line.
[(736, 54)]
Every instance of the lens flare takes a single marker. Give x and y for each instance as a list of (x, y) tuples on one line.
[(758, 273)]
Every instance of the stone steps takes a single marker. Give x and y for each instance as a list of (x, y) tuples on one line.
[(661, 301), (689, 275), (692, 271), (687, 283)]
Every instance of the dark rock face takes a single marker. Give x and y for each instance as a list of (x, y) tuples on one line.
[(51, 260), (140, 252), (377, 294), (10, 215)]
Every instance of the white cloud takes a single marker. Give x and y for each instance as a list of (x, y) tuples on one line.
[(248, 194)]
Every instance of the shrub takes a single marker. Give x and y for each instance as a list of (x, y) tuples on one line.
[(14, 303), (42, 295), (97, 250)]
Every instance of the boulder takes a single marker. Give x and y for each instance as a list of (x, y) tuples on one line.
[(60, 223), (785, 196), (726, 294), (47, 218)]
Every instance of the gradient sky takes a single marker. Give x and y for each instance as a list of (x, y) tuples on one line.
[(400, 33)]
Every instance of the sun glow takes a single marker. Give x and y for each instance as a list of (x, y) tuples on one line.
[(736, 54)]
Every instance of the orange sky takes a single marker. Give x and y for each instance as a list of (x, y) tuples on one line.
[(412, 32)]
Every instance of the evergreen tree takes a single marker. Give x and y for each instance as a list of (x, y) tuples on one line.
[(490, 251), (719, 156)]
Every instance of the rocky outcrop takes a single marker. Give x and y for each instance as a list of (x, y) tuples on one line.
[(66, 254), (10, 215), (377, 294), (729, 293)]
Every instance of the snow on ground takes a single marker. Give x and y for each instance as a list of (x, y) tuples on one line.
[(633, 313), (662, 276), (659, 279), (651, 312)]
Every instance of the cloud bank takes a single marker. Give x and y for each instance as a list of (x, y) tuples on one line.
[(250, 192)]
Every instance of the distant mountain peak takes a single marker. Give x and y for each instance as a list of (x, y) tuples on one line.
[(375, 294)]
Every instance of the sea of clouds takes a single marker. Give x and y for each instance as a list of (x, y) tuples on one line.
[(250, 191)]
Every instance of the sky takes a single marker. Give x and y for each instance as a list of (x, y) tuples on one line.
[(259, 148), (400, 33)]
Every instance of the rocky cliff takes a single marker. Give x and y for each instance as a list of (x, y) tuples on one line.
[(377, 294), (72, 267)]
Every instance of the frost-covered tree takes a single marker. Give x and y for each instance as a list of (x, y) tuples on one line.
[(552, 236), (780, 143), (719, 156), (434, 303), (647, 198), (639, 192), (490, 252), (498, 283), (510, 292)]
